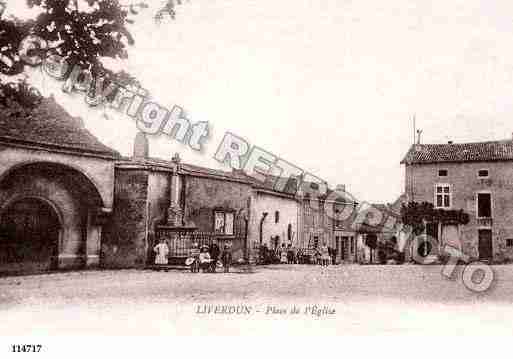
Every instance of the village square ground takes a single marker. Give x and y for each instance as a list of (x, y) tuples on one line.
[(372, 299)]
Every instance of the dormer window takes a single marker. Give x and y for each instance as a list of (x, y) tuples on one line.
[(482, 173), (442, 173)]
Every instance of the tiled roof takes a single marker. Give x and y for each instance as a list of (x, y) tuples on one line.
[(271, 183), (460, 152), (198, 170), (291, 188), (187, 168), (51, 126)]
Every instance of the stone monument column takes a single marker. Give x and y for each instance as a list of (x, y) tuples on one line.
[(175, 212)]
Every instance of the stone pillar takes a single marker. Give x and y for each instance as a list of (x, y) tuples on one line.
[(93, 241), (175, 212)]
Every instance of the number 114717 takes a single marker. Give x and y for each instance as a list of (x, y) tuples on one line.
[(26, 348)]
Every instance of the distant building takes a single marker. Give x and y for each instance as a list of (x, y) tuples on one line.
[(475, 177), (275, 216), (328, 219), (376, 233)]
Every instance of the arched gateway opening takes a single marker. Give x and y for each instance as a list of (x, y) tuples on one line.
[(29, 235), (50, 218)]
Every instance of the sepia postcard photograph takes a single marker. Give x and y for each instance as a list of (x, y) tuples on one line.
[(241, 168)]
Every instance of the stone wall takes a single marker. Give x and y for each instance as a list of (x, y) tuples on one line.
[(203, 195), (288, 212), (124, 240)]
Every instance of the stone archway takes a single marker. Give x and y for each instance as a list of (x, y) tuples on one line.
[(73, 199), (29, 236)]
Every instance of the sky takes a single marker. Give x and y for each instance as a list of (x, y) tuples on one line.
[(330, 86)]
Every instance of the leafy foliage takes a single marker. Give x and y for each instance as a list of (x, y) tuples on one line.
[(12, 31), (371, 241), (167, 10), (416, 214), (82, 32), (19, 92)]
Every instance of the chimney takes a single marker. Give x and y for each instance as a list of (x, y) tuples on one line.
[(176, 158), (141, 147), (449, 142), (340, 188)]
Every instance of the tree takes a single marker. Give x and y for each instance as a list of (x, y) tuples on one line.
[(82, 32), (167, 10), (19, 92)]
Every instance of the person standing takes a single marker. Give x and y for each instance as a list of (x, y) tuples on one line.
[(214, 255), (204, 259), (283, 254), (226, 258), (194, 253), (325, 256), (161, 252), (290, 254)]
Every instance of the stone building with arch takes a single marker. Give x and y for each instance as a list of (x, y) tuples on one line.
[(56, 190), (67, 201)]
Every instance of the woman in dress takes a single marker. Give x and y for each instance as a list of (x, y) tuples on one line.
[(161, 252)]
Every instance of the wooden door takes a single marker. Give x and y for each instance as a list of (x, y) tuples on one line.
[(30, 235), (345, 248), (485, 244)]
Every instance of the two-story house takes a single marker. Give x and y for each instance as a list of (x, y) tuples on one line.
[(475, 177)]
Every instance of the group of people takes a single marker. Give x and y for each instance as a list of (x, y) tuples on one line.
[(203, 258), (208, 258), (284, 254), (288, 254)]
